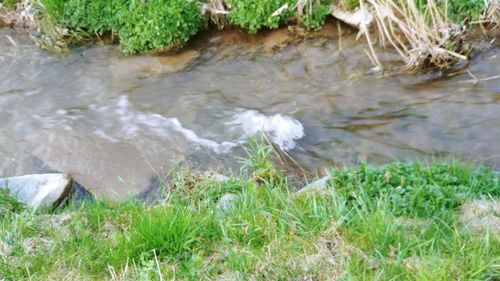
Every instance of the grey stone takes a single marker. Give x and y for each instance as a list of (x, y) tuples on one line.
[(226, 201), (38, 191), (319, 185), (219, 178), (481, 215)]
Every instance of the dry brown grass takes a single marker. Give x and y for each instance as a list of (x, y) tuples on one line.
[(23, 16), (424, 39), (217, 11), (491, 16), (49, 35)]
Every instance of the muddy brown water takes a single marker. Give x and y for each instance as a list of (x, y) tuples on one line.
[(116, 121)]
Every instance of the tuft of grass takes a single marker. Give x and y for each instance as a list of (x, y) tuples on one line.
[(8, 204), (258, 160), (8, 4)]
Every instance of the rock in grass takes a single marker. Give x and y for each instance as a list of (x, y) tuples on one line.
[(481, 215), (218, 178), (319, 185), (226, 201), (39, 191)]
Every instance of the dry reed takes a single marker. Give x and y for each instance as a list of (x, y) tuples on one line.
[(423, 38)]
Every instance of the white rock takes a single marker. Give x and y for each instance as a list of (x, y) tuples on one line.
[(218, 177), (38, 191), (318, 185), (226, 201), (481, 215)]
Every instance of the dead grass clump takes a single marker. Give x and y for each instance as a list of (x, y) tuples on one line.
[(48, 36), (23, 16), (323, 259), (490, 19), (217, 11), (424, 37), (328, 263)]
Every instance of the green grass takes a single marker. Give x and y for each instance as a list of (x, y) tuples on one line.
[(396, 222), (8, 204), (8, 4), (459, 11)]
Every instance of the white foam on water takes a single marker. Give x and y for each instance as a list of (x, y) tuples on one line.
[(133, 123), (282, 130), (159, 123)]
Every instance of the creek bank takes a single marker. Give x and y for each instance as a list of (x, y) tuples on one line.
[(42, 191), (438, 43)]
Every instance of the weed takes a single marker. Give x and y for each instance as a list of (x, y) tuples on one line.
[(253, 15), (90, 16), (142, 26), (258, 159), (158, 25), (417, 190), (312, 14)]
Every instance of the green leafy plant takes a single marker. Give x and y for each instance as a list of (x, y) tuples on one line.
[(460, 11), (253, 15), (142, 26), (94, 16), (315, 14), (415, 189), (158, 25)]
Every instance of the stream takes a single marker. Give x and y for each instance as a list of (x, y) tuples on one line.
[(116, 121)]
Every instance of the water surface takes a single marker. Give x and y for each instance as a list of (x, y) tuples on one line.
[(116, 121)]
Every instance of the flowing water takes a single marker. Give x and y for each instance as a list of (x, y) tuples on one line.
[(116, 121)]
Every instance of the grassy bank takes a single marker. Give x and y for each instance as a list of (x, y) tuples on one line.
[(157, 26), (397, 222)]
